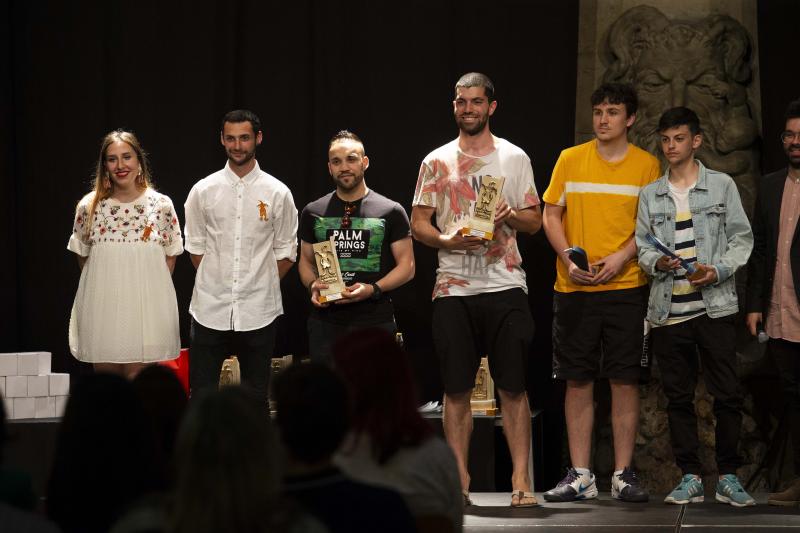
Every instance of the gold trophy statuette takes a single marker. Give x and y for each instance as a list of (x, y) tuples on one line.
[(482, 401), (328, 270), (277, 365), (481, 223), (230, 373)]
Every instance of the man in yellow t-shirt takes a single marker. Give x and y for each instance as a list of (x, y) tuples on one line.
[(598, 314)]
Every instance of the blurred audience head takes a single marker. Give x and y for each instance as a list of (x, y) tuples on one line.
[(228, 466), (164, 402), (106, 456), (312, 412), (377, 374)]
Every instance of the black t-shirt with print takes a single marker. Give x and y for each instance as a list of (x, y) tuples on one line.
[(364, 249)]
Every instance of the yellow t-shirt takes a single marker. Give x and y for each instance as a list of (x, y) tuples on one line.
[(600, 201)]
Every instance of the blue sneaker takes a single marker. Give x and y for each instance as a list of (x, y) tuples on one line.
[(729, 490), (689, 490)]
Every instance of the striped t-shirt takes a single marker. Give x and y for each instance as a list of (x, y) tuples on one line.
[(687, 301)]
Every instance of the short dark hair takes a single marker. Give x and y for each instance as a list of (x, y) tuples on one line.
[(679, 116), (476, 79), (313, 411), (346, 135), (792, 111), (241, 115), (617, 93)]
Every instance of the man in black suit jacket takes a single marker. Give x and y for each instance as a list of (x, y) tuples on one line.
[(773, 284)]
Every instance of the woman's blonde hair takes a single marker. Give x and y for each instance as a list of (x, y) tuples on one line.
[(103, 185)]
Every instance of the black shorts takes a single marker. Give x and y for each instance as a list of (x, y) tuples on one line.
[(466, 328), (599, 334)]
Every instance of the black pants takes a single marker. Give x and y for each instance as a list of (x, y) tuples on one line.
[(210, 347), (787, 359), (676, 350), (322, 335)]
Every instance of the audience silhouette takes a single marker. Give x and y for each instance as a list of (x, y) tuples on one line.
[(390, 444), (312, 418), (106, 456), (228, 475)]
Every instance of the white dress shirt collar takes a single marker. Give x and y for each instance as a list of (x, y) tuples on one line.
[(248, 178)]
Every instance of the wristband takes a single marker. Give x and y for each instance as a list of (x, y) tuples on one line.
[(376, 292)]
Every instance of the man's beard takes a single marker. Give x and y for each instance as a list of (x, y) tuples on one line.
[(246, 158), (475, 128), (357, 179), (794, 163)]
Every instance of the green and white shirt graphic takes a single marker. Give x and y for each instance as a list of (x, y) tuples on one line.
[(364, 248)]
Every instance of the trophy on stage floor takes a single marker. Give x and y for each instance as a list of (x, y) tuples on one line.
[(482, 400), (230, 373), (276, 366), (328, 270), (481, 223)]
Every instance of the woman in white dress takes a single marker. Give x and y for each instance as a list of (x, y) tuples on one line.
[(127, 237)]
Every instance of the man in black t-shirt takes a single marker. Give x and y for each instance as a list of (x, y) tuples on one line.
[(373, 242)]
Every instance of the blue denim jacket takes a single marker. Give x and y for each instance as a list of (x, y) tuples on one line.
[(722, 235)]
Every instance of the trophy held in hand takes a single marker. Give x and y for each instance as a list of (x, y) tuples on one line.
[(693, 270), (481, 223), (328, 271)]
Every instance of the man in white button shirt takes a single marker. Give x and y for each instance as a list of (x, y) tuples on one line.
[(241, 234)]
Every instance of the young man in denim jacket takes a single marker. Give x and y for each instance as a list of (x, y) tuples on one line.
[(697, 213)]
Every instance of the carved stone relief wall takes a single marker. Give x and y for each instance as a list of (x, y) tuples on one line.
[(698, 54)]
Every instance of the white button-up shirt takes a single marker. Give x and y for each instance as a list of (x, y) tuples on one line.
[(241, 227)]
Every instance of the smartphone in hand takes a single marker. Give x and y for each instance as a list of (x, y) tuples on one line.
[(578, 256)]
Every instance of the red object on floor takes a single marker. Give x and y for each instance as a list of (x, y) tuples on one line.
[(181, 368)]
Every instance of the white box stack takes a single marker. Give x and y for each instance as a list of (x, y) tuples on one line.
[(29, 388)]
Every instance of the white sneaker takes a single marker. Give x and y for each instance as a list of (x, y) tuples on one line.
[(574, 486), (626, 487)]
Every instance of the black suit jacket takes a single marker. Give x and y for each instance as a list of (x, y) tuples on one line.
[(766, 224)]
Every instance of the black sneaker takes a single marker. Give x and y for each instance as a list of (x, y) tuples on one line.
[(573, 487), (626, 487)]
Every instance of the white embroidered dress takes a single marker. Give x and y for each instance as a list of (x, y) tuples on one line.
[(125, 310)]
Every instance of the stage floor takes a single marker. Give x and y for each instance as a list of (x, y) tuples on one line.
[(491, 513)]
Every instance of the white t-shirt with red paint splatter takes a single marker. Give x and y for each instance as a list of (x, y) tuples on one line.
[(448, 181)]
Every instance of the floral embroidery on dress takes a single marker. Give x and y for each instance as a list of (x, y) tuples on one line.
[(150, 217)]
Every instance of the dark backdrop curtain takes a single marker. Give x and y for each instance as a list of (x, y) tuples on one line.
[(169, 70)]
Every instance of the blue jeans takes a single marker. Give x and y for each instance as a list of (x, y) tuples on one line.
[(322, 335), (210, 347)]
